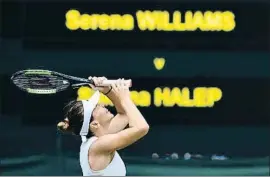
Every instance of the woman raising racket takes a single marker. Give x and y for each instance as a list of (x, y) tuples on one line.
[(103, 133)]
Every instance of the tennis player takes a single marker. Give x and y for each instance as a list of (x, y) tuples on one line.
[(102, 132)]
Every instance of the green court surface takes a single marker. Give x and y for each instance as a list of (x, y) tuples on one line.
[(139, 166)]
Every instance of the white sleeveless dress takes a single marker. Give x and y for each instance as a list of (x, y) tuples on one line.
[(115, 168)]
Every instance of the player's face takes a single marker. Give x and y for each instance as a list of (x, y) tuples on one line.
[(102, 114)]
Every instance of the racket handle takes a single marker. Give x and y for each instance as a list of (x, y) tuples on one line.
[(110, 82)]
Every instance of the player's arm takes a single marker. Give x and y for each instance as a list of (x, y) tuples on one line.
[(120, 121), (138, 128)]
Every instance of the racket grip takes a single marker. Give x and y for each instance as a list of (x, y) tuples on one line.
[(110, 82)]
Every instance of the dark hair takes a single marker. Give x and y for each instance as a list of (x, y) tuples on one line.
[(74, 114)]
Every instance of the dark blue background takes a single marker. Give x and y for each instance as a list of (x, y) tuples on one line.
[(237, 126)]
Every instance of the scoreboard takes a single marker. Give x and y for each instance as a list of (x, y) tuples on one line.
[(174, 101), (144, 25), (216, 69)]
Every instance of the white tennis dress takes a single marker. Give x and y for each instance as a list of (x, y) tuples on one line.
[(115, 168)]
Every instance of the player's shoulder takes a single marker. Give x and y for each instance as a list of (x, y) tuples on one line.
[(98, 143), (92, 140)]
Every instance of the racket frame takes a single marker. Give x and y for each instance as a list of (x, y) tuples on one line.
[(83, 81)]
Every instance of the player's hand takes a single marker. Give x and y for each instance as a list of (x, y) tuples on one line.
[(121, 89), (98, 81)]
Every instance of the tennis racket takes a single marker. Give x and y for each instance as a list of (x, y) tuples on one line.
[(39, 81)]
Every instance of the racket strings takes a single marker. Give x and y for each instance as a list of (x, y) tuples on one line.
[(41, 82)]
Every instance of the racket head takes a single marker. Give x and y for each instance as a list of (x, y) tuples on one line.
[(38, 81)]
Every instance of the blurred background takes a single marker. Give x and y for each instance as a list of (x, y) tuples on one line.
[(205, 94)]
